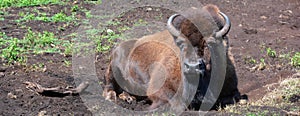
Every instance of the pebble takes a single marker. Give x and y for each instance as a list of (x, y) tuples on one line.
[(243, 102), (148, 9), (2, 74), (11, 96), (263, 17)]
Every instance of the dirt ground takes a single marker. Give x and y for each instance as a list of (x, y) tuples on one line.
[(256, 25)]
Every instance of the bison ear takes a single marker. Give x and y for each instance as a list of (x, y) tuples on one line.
[(178, 24), (177, 21)]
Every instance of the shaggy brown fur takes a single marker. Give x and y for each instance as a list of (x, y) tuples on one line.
[(160, 49)]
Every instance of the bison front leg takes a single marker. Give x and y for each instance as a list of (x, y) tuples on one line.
[(108, 92)]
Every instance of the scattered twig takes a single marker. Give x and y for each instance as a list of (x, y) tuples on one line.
[(56, 91)]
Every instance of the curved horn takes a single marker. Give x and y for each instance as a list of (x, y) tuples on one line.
[(225, 28), (171, 27)]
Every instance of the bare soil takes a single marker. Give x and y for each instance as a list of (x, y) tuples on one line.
[(256, 25)]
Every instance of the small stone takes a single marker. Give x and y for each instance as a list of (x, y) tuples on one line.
[(148, 9), (263, 17), (11, 96), (2, 74), (243, 102), (42, 113)]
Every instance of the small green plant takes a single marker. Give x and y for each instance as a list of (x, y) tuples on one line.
[(113, 23), (262, 64), (88, 14), (68, 48), (25, 17), (75, 8), (140, 22), (37, 67), (61, 17), (110, 36), (252, 61), (295, 60), (67, 63), (93, 1), (124, 28), (271, 53)]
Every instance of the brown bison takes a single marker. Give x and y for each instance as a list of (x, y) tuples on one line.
[(151, 66)]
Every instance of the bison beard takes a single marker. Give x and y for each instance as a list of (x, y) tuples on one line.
[(148, 52)]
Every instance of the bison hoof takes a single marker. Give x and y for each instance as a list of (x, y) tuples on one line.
[(126, 97), (110, 96)]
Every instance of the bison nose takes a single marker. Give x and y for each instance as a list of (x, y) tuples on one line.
[(195, 68)]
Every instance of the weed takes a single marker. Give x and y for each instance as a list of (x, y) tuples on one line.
[(68, 48), (295, 60), (271, 53), (61, 17), (67, 63), (2, 14), (25, 17), (75, 8), (124, 28), (140, 22), (113, 23), (88, 14), (285, 56), (37, 67), (249, 60), (93, 1), (110, 36), (262, 64)]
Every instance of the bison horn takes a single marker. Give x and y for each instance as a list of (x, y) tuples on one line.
[(220, 33), (170, 26), (225, 28)]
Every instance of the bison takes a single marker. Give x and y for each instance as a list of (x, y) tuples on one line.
[(151, 67)]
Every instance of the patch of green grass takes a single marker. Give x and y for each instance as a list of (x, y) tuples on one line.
[(14, 50), (36, 67), (11, 50), (39, 43), (21, 3), (278, 98), (113, 23), (109, 36), (93, 1), (59, 17), (123, 28), (295, 60), (140, 22), (271, 53)]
